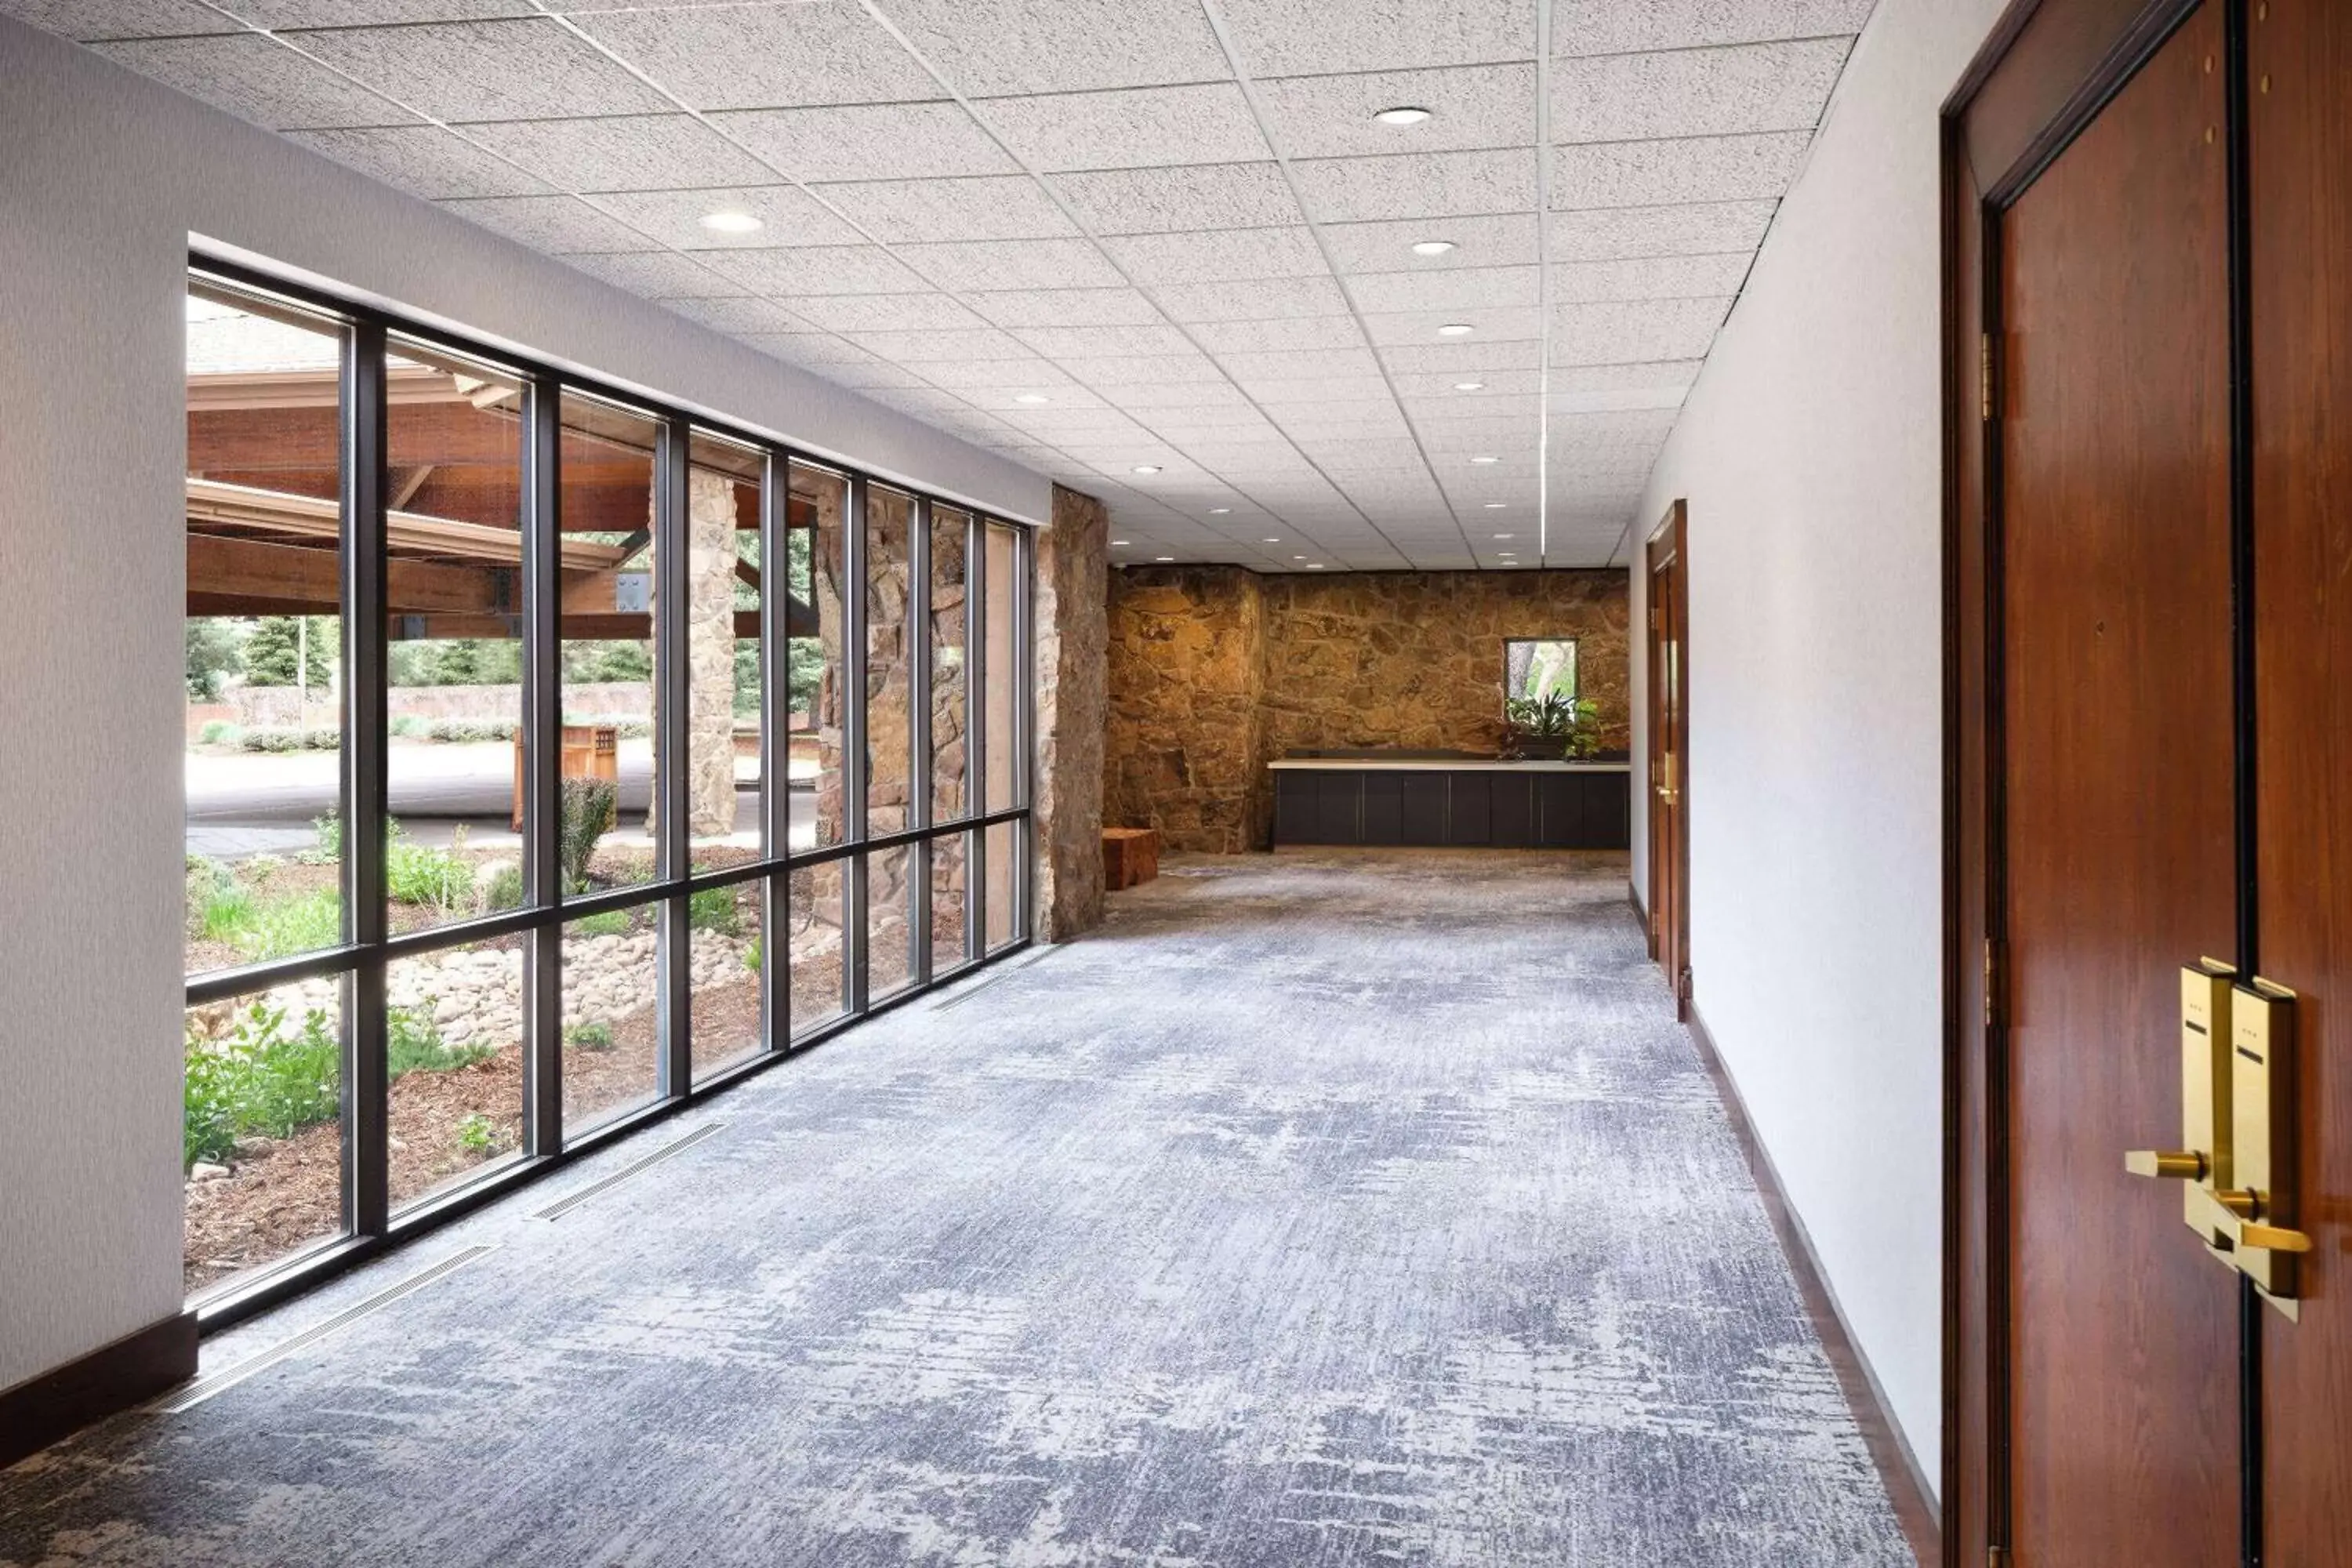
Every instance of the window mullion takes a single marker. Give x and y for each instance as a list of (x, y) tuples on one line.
[(673, 741), (917, 642), (775, 744), (975, 727), (853, 769), (367, 1091), (542, 763)]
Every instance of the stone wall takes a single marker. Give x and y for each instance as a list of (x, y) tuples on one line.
[(1214, 672), (1073, 693)]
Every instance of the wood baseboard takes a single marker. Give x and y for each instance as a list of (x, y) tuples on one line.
[(1898, 1466), (112, 1378)]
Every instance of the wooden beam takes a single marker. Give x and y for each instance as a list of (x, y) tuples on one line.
[(405, 490), (215, 504), (309, 581)]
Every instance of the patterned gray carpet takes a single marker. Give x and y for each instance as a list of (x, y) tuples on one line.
[(1323, 1210)]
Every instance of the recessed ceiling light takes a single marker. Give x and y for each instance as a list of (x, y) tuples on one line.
[(1315, 566), (1469, 386), (1483, 460), (1147, 467), (1493, 506), (1403, 114), (731, 223), (1163, 558), (1033, 397), (1219, 510), (1507, 536), (1119, 544), (1271, 539), (1299, 558), (1431, 246), (1454, 329)]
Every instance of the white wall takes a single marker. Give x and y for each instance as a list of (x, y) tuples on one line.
[(1810, 453), (104, 178)]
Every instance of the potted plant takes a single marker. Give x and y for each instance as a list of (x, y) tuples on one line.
[(1554, 725)]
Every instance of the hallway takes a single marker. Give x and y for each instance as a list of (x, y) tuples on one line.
[(1323, 1208)]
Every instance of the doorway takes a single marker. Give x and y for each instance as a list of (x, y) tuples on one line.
[(2149, 1329), (1669, 667)]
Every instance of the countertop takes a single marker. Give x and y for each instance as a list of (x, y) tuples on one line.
[(1440, 765)]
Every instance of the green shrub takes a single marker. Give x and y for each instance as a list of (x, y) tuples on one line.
[(589, 807), (277, 738), (330, 848), (218, 906), (464, 729), (504, 890), (607, 922), (218, 733), (413, 1043), (713, 909), (417, 874), (409, 724), (283, 927), (259, 1080), (477, 1134), (752, 957), (591, 1036)]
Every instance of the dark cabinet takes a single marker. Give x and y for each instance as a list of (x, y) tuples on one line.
[(1499, 808)]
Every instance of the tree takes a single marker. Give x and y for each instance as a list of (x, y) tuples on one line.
[(278, 643), (215, 652)]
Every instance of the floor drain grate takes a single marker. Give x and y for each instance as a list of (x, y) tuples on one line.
[(1004, 972), (204, 1388), (564, 1205)]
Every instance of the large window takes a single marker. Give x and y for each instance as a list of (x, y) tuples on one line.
[(522, 715)]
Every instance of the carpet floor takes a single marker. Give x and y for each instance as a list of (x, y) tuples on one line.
[(1323, 1209)]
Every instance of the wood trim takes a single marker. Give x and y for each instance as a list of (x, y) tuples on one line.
[(1669, 547), (110, 1379), (1898, 1468)]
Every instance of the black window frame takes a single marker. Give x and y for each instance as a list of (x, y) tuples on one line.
[(370, 1227)]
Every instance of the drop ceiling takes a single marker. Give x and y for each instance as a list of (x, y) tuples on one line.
[(1106, 236)]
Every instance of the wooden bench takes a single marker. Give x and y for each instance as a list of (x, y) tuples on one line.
[(1130, 855)]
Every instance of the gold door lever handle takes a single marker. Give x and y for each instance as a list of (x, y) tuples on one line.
[(2167, 1165), (2271, 1237)]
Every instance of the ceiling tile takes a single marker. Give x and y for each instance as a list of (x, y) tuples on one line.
[(1613, 27), (1287, 332), (1657, 374), (85, 21), (1614, 234), (1294, 365), (1417, 385), (1656, 278), (556, 223), (256, 79), (1695, 92), (1636, 331), (738, 315), (992, 207), (1470, 357), (1103, 343), (1311, 395), (1145, 370), (1460, 408), (1217, 402), (1633, 397), (1064, 307), (1452, 288), (1504, 240), (659, 273), (879, 313), (818, 269), (525, 69), (789, 216), (1135, 128), (1025, 372), (868, 141), (1488, 324), (1193, 196), (1252, 300), (351, 13), (792, 56), (914, 347), (1209, 258), (1013, 264), (1299, 37), (423, 160), (633, 153), (1698, 169), (1331, 116), (993, 46), (1419, 184)]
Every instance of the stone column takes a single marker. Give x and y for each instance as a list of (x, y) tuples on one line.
[(1073, 707), (710, 654)]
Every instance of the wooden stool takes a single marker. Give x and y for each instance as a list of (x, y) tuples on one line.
[(1130, 855)]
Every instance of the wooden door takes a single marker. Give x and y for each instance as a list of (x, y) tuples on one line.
[(2152, 758), (1669, 631), (2120, 814)]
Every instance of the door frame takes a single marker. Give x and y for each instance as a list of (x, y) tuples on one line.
[(2044, 73), (1668, 553)]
